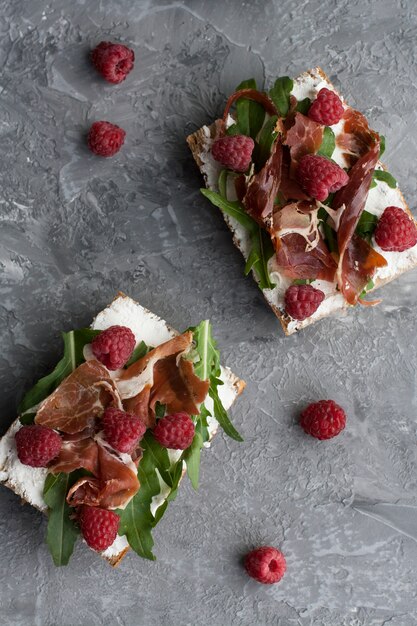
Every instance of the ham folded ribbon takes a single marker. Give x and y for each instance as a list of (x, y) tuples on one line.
[(357, 259), (79, 399), (304, 137), (164, 376), (300, 250), (263, 186)]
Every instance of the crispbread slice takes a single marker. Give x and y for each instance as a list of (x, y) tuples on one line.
[(27, 482), (306, 85)]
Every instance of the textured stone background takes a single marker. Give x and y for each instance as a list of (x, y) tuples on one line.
[(76, 228)]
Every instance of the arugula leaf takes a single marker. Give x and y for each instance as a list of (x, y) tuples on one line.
[(266, 138), (367, 288), (138, 353), (136, 519), (209, 367), (384, 176), (262, 248), (222, 184), (221, 415), (62, 531), (382, 145), (234, 129), (303, 106), (250, 114), (191, 457), (366, 225), (280, 94), (328, 143), (74, 342)]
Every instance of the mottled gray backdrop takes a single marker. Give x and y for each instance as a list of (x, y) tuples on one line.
[(76, 228)]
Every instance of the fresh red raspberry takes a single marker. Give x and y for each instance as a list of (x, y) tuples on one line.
[(234, 152), (395, 231), (37, 445), (114, 346), (113, 60), (105, 139), (324, 419), (175, 431), (327, 108), (301, 301), (319, 176), (122, 430), (98, 526), (267, 565)]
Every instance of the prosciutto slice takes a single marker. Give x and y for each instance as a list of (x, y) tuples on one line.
[(304, 137), (357, 261), (263, 186), (357, 138), (163, 375), (298, 263), (112, 486), (300, 250), (79, 399)]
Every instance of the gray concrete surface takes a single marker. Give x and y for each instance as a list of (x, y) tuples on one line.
[(76, 228)]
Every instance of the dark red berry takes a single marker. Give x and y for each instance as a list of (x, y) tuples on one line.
[(234, 152), (105, 139), (267, 565), (113, 61), (327, 108), (319, 176), (323, 420), (395, 231), (175, 431), (301, 301), (122, 430), (114, 346), (98, 526)]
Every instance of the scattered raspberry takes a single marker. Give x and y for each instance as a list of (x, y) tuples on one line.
[(175, 431), (327, 108), (267, 565), (395, 231), (324, 419), (122, 430), (98, 526), (114, 346), (113, 60), (105, 139), (301, 301), (37, 445), (319, 176), (234, 152)]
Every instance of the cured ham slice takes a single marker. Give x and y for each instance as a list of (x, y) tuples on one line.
[(263, 186), (79, 399), (357, 261), (304, 137), (163, 376), (114, 484), (356, 138), (297, 263), (300, 250)]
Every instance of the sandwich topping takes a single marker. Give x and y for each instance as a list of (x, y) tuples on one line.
[(302, 197), (113, 439)]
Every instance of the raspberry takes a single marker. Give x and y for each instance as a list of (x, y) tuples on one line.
[(301, 301), (324, 419), (37, 445), (234, 152), (319, 176), (395, 231), (267, 565), (327, 108), (122, 430), (175, 431), (113, 60), (98, 526), (105, 139), (113, 346)]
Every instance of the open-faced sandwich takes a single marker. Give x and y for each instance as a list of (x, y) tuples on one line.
[(296, 173), (102, 442)]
